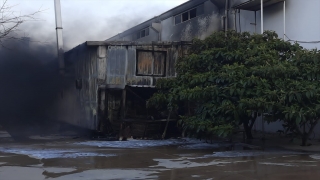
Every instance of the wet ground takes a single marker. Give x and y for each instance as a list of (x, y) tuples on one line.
[(65, 158)]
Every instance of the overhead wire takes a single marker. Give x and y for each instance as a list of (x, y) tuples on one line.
[(310, 42)]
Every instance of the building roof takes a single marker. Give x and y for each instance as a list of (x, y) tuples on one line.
[(172, 12), (136, 43), (255, 5)]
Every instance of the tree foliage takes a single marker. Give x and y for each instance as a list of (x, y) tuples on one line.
[(226, 81)]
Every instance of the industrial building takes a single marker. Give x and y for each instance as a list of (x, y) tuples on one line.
[(114, 77)]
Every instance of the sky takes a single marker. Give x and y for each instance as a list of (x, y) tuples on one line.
[(29, 70), (85, 20)]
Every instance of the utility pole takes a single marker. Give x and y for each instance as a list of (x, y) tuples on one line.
[(57, 7)]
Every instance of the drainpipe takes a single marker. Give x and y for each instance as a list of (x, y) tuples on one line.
[(261, 16), (284, 20), (235, 20), (226, 16), (57, 8)]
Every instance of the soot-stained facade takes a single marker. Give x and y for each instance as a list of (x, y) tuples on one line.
[(108, 83), (115, 77)]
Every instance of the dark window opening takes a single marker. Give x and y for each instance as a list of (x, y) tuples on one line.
[(193, 13), (185, 16), (177, 19), (143, 33)]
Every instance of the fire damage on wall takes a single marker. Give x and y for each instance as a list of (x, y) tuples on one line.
[(113, 81)]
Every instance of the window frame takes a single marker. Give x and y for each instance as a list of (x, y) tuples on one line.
[(188, 11), (146, 32), (152, 75)]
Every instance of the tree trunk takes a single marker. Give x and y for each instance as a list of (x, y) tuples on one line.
[(304, 140), (248, 125), (247, 130), (305, 136), (165, 129)]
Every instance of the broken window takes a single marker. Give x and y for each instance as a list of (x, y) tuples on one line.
[(151, 63)]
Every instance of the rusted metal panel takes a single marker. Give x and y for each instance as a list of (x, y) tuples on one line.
[(159, 63), (151, 63), (144, 63), (102, 64), (116, 65)]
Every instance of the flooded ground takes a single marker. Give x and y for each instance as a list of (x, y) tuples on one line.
[(81, 159)]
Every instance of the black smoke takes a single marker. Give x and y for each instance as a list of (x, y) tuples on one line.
[(29, 82)]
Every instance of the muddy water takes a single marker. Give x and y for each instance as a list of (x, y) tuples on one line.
[(137, 159)]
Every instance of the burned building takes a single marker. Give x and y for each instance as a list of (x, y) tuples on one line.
[(115, 77), (113, 81)]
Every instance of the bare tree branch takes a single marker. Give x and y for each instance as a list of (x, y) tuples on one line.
[(10, 21)]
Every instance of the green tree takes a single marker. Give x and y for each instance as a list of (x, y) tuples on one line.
[(226, 81)]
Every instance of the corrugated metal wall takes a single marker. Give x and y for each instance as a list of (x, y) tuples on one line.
[(130, 65)]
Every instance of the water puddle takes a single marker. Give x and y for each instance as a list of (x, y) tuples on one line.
[(59, 170), (133, 143), (52, 153), (108, 174), (286, 164), (17, 173), (182, 143), (248, 153)]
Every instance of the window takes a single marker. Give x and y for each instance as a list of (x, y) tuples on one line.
[(185, 16), (192, 13), (151, 63), (143, 33), (177, 19)]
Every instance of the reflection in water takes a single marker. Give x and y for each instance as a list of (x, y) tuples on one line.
[(171, 159)]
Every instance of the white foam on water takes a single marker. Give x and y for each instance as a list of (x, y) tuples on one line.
[(59, 170), (195, 176), (202, 145), (2, 163), (185, 163), (315, 156), (133, 143), (52, 153), (182, 143), (248, 153)]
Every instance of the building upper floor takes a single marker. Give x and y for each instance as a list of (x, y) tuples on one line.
[(293, 20)]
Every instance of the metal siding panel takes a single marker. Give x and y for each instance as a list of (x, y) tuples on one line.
[(145, 60), (102, 63), (131, 69), (159, 63), (116, 59)]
